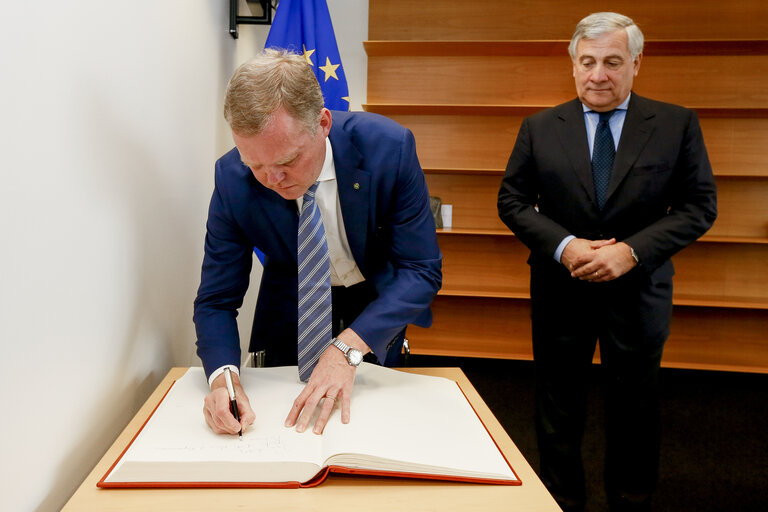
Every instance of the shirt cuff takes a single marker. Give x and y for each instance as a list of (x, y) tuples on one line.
[(219, 371), (561, 247)]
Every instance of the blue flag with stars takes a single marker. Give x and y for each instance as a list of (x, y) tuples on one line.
[(304, 27)]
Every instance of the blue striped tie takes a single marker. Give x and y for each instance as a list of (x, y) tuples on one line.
[(603, 152), (314, 286)]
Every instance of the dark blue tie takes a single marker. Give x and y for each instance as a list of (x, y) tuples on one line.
[(602, 157)]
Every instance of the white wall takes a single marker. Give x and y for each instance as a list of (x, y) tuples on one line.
[(111, 123)]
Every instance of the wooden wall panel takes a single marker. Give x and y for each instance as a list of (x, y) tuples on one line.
[(462, 142), (556, 19), (501, 328), (719, 339), (706, 272), (736, 146), (700, 81), (742, 208), (719, 272), (473, 199), (484, 265), (462, 75)]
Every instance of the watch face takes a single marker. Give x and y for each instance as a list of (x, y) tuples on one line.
[(354, 356)]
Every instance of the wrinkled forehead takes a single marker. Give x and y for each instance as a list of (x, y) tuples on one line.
[(610, 44)]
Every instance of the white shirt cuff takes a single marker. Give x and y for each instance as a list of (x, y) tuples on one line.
[(219, 371)]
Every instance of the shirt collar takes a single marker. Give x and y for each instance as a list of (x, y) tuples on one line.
[(328, 171), (622, 106)]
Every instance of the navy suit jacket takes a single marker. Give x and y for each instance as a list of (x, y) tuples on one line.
[(661, 198), (388, 223)]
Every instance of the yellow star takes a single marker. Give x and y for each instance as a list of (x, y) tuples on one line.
[(307, 55), (329, 69)]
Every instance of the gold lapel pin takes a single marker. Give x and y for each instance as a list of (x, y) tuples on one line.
[(356, 186)]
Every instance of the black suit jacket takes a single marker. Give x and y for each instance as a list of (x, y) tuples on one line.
[(661, 196)]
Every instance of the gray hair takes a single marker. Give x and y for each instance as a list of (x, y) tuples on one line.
[(600, 23), (271, 80)]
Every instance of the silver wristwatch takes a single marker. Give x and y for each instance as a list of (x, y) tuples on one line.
[(354, 356), (634, 255)]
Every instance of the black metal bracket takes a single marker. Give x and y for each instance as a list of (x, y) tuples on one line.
[(234, 20)]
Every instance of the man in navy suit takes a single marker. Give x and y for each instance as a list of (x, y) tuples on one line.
[(385, 264), (604, 190)]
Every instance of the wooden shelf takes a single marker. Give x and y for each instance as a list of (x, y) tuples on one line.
[(474, 231), (500, 172), (467, 171), (486, 293), (463, 89), (679, 301), (506, 232), (721, 302), (503, 20), (469, 109), (541, 48), (701, 337)]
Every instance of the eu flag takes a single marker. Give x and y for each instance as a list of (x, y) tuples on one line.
[(304, 27)]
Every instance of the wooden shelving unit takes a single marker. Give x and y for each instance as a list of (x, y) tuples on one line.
[(462, 78)]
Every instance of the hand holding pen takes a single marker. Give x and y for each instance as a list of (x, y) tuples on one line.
[(225, 403), (232, 399)]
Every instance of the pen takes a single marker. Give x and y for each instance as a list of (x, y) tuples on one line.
[(232, 401)]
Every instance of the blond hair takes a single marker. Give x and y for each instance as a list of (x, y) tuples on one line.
[(271, 80)]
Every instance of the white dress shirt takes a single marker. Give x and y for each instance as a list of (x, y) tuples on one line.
[(591, 119)]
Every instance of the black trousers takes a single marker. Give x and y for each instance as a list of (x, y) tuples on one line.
[(567, 321)]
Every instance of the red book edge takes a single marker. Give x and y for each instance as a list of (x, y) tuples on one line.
[(313, 482)]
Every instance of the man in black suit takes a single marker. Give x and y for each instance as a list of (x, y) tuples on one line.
[(604, 190)]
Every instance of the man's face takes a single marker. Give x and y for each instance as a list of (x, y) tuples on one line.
[(285, 156), (604, 70)]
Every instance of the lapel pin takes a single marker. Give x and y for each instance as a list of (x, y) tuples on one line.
[(356, 186)]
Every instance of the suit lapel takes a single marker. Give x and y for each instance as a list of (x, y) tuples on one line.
[(354, 191), (282, 214), (638, 127), (572, 133)]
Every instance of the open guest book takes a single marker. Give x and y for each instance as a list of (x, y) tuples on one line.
[(402, 425)]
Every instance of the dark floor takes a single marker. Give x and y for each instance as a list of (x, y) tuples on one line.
[(714, 454)]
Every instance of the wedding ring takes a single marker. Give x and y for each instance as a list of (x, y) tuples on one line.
[(330, 397)]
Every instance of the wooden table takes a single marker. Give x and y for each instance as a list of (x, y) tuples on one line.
[(338, 493)]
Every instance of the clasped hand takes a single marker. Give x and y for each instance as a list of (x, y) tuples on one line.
[(597, 261)]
